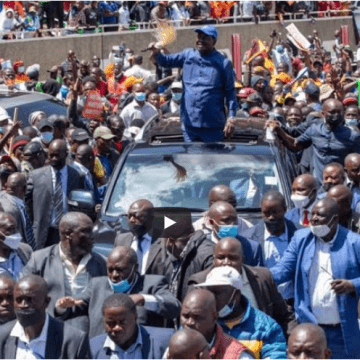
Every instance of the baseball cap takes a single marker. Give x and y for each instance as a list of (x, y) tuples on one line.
[(245, 92), (44, 123), (223, 276), (79, 135), (176, 85), (312, 89), (103, 132), (208, 30), (325, 92), (4, 115)]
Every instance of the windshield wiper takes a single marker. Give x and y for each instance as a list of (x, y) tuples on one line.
[(196, 210)]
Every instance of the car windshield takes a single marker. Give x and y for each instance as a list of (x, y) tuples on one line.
[(184, 180)]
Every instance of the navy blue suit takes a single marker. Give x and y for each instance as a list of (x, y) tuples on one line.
[(155, 342)]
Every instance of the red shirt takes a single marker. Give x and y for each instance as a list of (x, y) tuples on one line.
[(102, 87)]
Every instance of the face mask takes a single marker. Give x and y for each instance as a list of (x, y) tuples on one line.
[(227, 231), (334, 119), (227, 309), (2, 130), (321, 230), (351, 122), (273, 225), (122, 286), (176, 96), (28, 317), (46, 137), (140, 96), (21, 69), (13, 241), (327, 186), (300, 201)]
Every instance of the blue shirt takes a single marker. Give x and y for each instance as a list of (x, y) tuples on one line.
[(208, 84), (12, 266), (273, 254), (329, 145), (111, 6)]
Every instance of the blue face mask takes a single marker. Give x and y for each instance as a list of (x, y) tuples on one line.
[(227, 231), (2, 130), (227, 309), (140, 96), (46, 137), (351, 122), (176, 96), (122, 286)]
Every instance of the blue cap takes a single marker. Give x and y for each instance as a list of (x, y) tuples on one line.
[(208, 30), (312, 89)]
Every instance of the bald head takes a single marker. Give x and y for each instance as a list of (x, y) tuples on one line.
[(16, 185), (228, 252), (7, 285), (333, 174), (219, 208), (120, 253), (222, 193), (138, 214), (306, 181), (352, 167), (304, 186), (57, 154), (34, 283), (7, 225), (308, 341), (274, 197), (73, 220), (188, 344), (122, 264), (343, 197)]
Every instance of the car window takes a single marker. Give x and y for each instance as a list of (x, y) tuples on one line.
[(48, 106), (184, 180)]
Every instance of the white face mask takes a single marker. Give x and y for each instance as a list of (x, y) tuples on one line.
[(21, 69), (12, 241), (300, 201), (321, 230), (227, 309)]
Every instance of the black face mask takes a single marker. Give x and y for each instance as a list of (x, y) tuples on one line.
[(137, 229), (273, 225), (29, 317), (327, 186), (334, 119)]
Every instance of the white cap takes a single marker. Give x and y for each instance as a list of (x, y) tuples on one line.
[(4, 115), (222, 276), (176, 85)]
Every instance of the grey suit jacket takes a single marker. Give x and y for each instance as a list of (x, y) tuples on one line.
[(7, 202), (47, 264), (63, 342), (39, 199), (99, 289)]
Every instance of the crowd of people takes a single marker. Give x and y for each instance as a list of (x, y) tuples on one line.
[(26, 19), (221, 287)]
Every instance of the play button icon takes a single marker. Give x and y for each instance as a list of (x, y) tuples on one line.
[(168, 222)]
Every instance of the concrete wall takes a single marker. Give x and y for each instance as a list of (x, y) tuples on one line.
[(51, 51)]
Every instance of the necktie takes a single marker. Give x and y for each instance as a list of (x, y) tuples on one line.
[(28, 229), (306, 219), (58, 199), (140, 252)]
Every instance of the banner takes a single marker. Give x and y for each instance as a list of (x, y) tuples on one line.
[(94, 107), (297, 38)]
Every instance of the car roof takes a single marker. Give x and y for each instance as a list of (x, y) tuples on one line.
[(20, 98)]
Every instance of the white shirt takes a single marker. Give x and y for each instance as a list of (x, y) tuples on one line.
[(147, 111), (247, 290), (35, 349), (76, 278), (174, 107), (124, 16), (64, 177), (322, 298), (139, 72), (144, 254)]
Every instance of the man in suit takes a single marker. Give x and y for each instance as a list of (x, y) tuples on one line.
[(149, 292), (220, 193), (352, 168), (12, 201), (7, 312), (46, 194), (179, 254), (258, 284), (35, 334), (138, 237), (304, 194), (323, 262), (348, 218), (172, 107), (68, 266), (274, 233), (133, 341), (333, 174), (14, 254), (224, 222)]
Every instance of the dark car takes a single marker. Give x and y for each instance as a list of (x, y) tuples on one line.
[(175, 174), (28, 102)]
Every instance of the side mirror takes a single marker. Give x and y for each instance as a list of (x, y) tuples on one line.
[(83, 201)]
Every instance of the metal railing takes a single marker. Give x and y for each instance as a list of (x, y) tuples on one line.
[(143, 26)]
